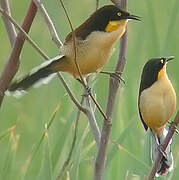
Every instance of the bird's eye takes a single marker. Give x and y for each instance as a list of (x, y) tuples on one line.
[(161, 61), (119, 14)]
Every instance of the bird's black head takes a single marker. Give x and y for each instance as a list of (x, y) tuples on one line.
[(105, 19), (110, 13), (152, 70)]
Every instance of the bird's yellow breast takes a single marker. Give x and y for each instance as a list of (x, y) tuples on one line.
[(92, 53), (157, 103)]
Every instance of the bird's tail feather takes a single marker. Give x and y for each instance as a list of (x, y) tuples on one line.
[(166, 164), (39, 75)]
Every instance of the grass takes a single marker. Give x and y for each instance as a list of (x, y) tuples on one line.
[(24, 154)]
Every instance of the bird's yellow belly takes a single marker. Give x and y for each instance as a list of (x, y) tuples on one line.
[(155, 113), (91, 54), (157, 104), (94, 60), (89, 61)]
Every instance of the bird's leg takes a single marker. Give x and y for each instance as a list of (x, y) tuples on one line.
[(117, 75), (159, 147)]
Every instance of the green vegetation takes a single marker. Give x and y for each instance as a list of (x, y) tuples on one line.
[(38, 145)]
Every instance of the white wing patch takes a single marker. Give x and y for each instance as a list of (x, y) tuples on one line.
[(19, 93), (44, 80), (34, 70)]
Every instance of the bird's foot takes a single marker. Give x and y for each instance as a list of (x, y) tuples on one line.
[(87, 91), (117, 75), (86, 87), (160, 149)]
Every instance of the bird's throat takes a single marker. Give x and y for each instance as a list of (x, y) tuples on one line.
[(114, 25), (162, 72)]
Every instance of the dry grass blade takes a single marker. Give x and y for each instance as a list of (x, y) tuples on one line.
[(10, 156), (6, 132), (47, 126), (36, 148), (46, 165)]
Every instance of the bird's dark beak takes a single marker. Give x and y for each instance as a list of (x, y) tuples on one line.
[(134, 17), (169, 58)]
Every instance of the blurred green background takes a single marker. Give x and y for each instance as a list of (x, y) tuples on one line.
[(24, 154)]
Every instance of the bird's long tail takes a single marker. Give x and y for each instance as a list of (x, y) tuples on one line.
[(166, 164), (39, 75)]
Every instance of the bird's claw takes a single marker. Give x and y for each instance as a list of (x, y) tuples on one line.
[(116, 75), (87, 91), (161, 151)]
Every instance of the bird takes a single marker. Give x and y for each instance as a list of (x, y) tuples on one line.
[(94, 40), (156, 104)]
